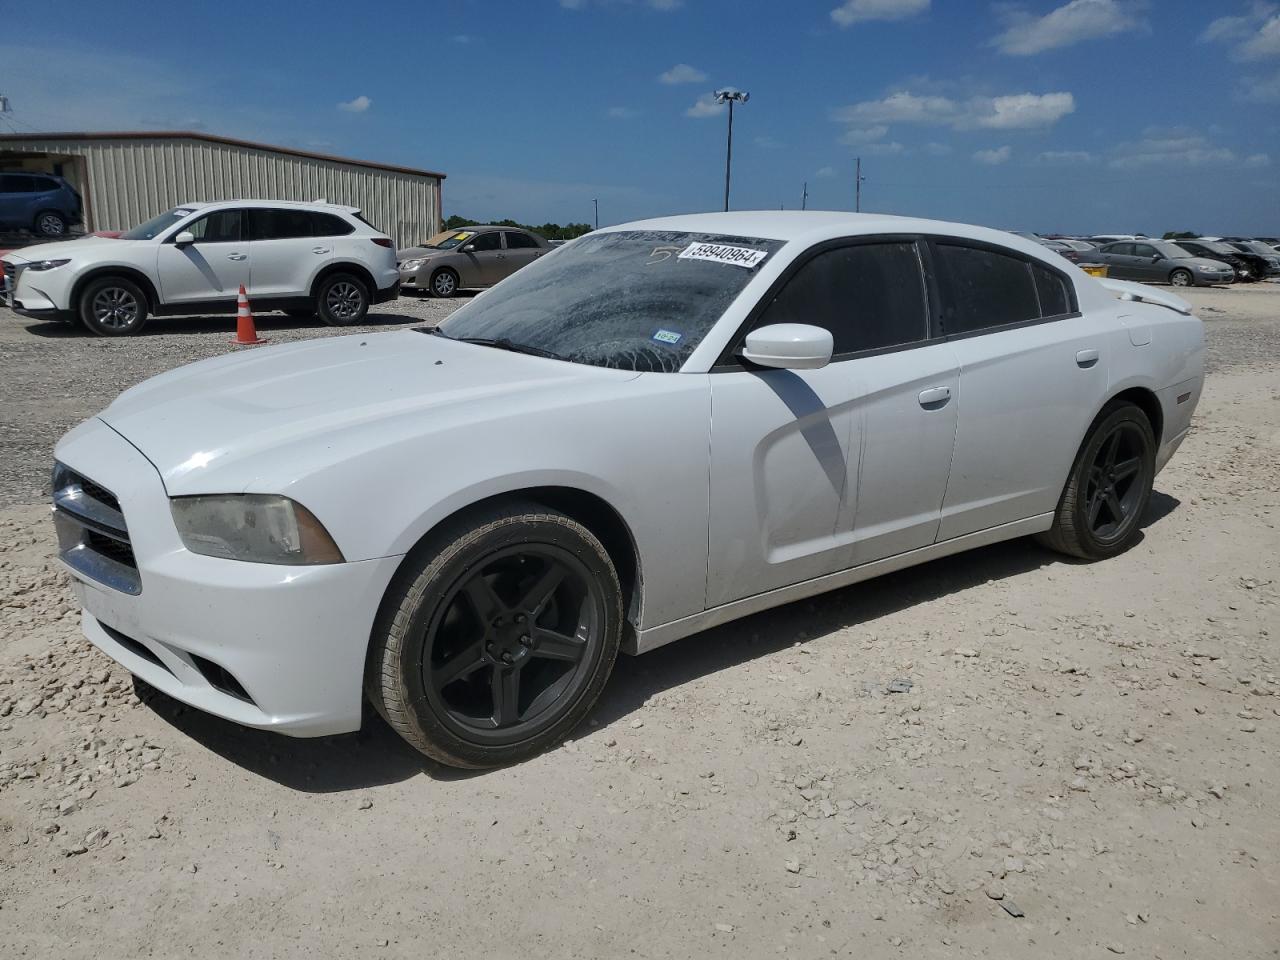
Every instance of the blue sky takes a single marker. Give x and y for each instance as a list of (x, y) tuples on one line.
[(1089, 115)]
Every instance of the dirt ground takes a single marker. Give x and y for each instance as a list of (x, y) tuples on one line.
[(1084, 765)]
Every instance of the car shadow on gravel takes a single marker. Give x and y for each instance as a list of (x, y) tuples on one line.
[(219, 323), (376, 755), (635, 679)]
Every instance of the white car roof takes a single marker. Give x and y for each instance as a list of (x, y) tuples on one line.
[(303, 204), (814, 226)]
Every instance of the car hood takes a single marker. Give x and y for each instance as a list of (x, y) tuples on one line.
[(220, 424), (61, 249), (418, 253)]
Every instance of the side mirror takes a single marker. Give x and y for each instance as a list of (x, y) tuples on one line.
[(468, 248), (789, 346), (1157, 258), (184, 239)]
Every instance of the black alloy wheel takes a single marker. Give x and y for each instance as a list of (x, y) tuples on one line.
[(497, 636), (1100, 511)]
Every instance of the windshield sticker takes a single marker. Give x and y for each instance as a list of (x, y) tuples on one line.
[(667, 336), (463, 236), (720, 253), (183, 213)]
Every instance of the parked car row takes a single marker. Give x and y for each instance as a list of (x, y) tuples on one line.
[(471, 258), (1182, 263)]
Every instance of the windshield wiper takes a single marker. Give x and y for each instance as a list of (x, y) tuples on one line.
[(502, 343)]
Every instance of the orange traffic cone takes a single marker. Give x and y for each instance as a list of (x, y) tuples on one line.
[(246, 333)]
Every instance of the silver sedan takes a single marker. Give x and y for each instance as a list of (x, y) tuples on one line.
[(1159, 261)]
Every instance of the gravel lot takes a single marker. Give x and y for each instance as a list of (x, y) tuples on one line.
[(1083, 763)]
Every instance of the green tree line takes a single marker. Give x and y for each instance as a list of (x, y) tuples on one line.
[(549, 231)]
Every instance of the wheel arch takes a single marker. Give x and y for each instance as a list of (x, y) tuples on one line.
[(361, 273), (589, 509), (132, 274), (1145, 400)]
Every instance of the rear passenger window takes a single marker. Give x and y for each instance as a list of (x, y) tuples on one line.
[(16, 183), (981, 288), (328, 225), (869, 295), (521, 241), (275, 224), (1052, 291)]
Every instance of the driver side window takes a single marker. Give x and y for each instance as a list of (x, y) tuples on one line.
[(1144, 250), (222, 226), (487, 241), (869, 295)]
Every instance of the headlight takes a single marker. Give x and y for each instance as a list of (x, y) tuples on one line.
[(411, 264), (47, 264), (260, 528)]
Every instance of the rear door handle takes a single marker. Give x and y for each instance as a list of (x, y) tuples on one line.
[(1086, 358), (237, 256), (935, 398)]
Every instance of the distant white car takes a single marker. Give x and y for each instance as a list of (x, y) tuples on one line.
[(658, 428), (303, 258)]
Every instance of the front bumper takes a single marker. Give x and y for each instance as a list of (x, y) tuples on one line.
[(273, 647)]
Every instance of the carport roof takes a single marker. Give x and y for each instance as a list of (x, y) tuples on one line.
[(211, 138)]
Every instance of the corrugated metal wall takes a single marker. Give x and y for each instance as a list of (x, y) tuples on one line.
[(132, 180)]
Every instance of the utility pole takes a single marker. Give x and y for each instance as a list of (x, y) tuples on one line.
[(730, 97), (595, 202), (857, 186), (804, 197)]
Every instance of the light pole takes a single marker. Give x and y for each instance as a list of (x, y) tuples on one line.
[(595, 202), (730, 97)]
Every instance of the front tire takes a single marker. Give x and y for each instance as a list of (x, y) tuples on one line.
[(1107, 493), (113, 307), (342, 300), (50, 223), (444, 283), (1182, 278), (497, 637)]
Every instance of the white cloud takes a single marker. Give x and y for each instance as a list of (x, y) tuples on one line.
[(993, 157), (705, 106), (858, 135), (825, 172), (462, 38), (769, 143), (1177, 147), (1256, 160), (1254, 36), (359, 105), (1259, 89), (1020, 111), (622, 113), (1065, 157), (938, 149), (882, 149), (1069, 24), (682, 73), (860, 11)]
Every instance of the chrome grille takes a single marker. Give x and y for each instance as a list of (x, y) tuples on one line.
[(92, 535)]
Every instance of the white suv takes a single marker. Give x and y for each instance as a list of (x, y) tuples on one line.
[(302, 258)]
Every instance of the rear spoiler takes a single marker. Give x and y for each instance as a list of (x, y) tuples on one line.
[(1144, 294)]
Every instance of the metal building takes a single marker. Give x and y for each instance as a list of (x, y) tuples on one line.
[(127, 178)]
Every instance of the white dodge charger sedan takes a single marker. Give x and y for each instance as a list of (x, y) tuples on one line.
[(657, 428)]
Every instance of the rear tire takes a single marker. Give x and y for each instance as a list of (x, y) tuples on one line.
[(113, 307), (496, 637), (50, 223), (341, 300), (1182, 278), (1101, 508)]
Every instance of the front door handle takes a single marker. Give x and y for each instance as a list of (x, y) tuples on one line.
[(935, 398), (237, 256), (1086, 358), (319, 249)]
